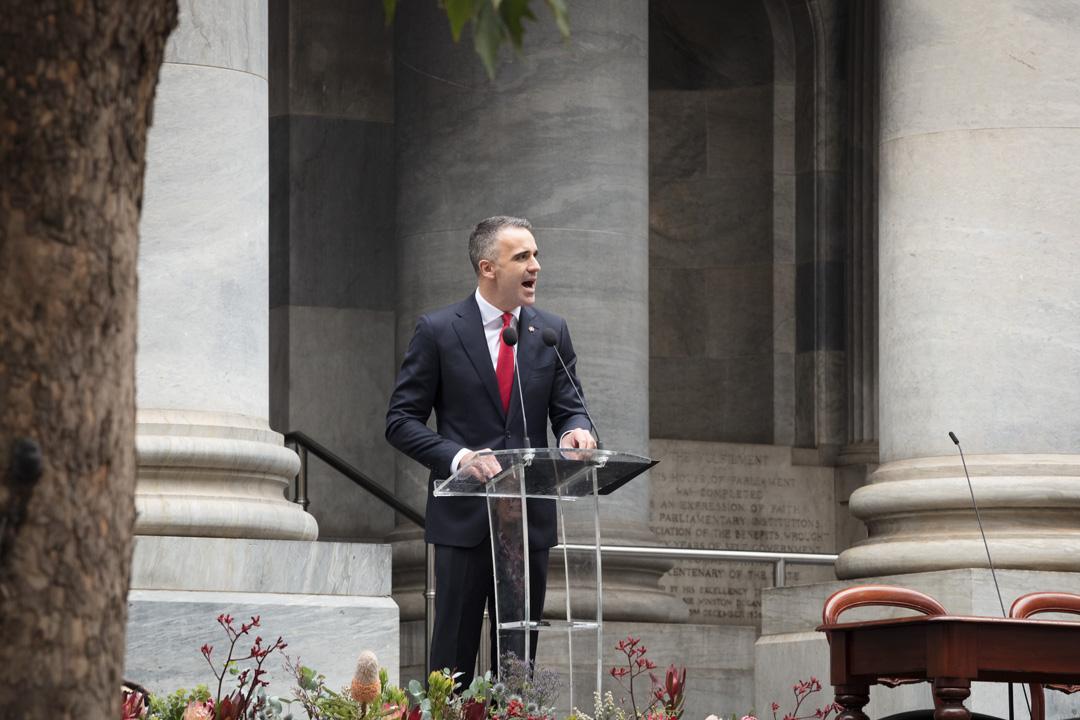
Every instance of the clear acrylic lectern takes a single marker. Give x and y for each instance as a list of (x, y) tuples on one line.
[(562, 476)]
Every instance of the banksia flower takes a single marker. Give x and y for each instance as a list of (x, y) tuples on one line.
[(365, 687)]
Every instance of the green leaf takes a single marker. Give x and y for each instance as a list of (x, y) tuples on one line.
[(389, 6), (487, 37), (460, 12), (562, 18), (513, 14)]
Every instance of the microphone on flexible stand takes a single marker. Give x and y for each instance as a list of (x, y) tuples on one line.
[(551, 339), (978, 518), (510, 337), (989, 560)]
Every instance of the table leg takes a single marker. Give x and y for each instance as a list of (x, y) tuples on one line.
[(950, 694), (852, 699)]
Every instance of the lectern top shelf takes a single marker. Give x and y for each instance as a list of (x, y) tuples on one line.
[(555, 473)]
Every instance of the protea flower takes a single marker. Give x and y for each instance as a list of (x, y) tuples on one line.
[(196, 710), (365, 686), (134, 707), (473, 710), (231, 707)]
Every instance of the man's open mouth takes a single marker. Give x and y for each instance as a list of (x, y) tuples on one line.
[(531, 284)]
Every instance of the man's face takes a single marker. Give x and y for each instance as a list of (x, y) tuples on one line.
[(510, 279)]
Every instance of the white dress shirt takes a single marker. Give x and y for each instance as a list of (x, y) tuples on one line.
[(493, 325)]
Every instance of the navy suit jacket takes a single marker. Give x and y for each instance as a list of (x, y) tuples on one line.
[(448, 369)]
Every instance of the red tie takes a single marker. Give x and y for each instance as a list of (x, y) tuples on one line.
[(504, 370)]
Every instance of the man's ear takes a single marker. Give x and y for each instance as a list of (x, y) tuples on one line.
[(487, 268)]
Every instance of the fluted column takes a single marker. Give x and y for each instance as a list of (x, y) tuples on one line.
[(209, 464), (560, 137), (860, 279), (980, 158)]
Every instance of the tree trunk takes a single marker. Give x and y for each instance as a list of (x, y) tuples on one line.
[(77, 81)]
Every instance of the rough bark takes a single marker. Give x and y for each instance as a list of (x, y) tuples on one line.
[(77, 81)]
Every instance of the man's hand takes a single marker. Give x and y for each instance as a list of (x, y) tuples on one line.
[(578, 439), (485, 468)]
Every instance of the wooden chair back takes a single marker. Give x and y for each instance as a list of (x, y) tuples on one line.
[(880, 595), (1045, 602)]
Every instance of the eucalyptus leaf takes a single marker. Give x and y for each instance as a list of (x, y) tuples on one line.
[(513, 14), (460, 12), (562, 17), (487, 37), (493, 23)]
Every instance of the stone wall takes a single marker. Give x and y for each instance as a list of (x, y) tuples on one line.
[(738, 497), (332, 360), (328, 601), (710, 221)]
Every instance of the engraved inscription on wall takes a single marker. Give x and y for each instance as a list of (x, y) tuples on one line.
[(737, 497)]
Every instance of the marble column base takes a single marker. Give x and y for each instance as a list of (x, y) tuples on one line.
[(329, 602), (790, 650), (920, 518), (215, 475)]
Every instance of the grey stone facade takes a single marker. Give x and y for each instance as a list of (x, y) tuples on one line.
[(794, 240)]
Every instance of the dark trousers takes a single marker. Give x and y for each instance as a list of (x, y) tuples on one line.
[(463, 586)]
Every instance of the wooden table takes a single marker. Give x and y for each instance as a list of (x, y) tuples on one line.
[(951, 652)]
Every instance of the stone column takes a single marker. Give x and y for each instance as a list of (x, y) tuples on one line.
[(560, 137), (820, 248), (331, 248), (859, 455), (209, 464), (979, 148)]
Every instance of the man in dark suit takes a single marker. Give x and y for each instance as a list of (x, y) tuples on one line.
[(458, 366)]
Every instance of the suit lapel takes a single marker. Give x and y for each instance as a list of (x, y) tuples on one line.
[(470, 331)]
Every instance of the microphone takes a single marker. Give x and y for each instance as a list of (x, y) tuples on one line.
[(978, 518), (510, 337), (551, 339), (989, 560)]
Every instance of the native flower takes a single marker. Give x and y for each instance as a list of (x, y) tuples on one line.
[(670, 694), (134, 707), (199, 711), (247, 698), (667, 695), (802, 690), (365, 686)]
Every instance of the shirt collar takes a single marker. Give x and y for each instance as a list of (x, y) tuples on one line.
[(489, 313)]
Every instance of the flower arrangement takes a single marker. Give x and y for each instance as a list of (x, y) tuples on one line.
[(249, 699), (522, 692), (370, 695), (801, 690), (667, 695)]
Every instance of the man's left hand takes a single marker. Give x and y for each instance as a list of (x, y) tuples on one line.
[(578, 438)]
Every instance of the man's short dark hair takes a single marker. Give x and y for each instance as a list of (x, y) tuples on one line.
[(482, 239)]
